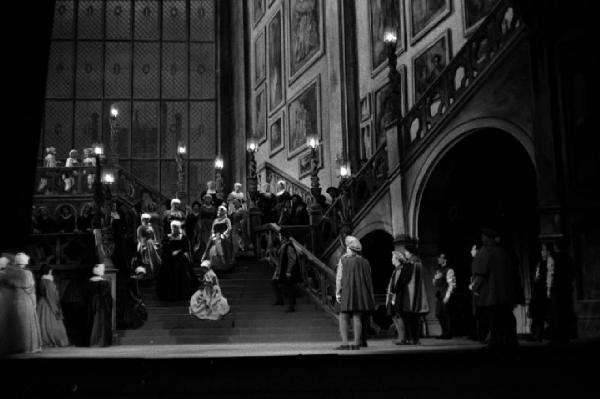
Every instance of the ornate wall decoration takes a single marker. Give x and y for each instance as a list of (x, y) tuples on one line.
[(382, 12), (277, 134), (260, 69), (275, 64), (426, 14), (260, 114), (474, 11), (429, 63), (304, 117), (305, 42)]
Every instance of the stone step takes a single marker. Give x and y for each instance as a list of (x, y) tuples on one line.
[(265, 330), (218, 339), (229, 323)]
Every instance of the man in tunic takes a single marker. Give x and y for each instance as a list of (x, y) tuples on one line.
[(354, 291), (287, 273), (496, 287), (445, 283)]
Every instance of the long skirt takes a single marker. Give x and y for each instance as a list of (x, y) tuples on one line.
[(209, 304)]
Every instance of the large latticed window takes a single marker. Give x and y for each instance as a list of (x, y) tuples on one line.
[(156, 60)]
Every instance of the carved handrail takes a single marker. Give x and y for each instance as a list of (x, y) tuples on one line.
[(273, 174), (467, 67), (131, 189), (369, 179), (318, 278)]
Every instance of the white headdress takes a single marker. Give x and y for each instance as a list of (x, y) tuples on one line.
[(175, 223), (175, 201), (205, 263), (146, 216), (21, 259)]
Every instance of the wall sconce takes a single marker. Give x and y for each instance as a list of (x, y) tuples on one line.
[(312, 141), (252, 144), (219, 163), (108, 177), (345, 171), (114, 112), (181, 150), (98, 149)]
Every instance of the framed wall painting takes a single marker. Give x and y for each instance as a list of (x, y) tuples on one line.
[(474, 11), (258, 10), (305, 35), (365, 107), (424, 15), (260, 115), (305, 163), (304, 117), (277, 134), (260, 68), (275, 53), (388, 108), (429, 63), (366, 141), (379, 13)]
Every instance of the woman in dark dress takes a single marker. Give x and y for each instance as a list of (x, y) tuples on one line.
[(220, 247), (283, 204), (176, 279), (66, 220), (99, 307), (208, 213), (192, 232), (538, 306)]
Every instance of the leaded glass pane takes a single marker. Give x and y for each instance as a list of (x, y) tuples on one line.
[(146, 20), (60, 70), (174, 21), (58, 127), (203, 130), (202, 20), (64, 20), (144, 139), (88, 124), (90, 19), (123, 125), (118, 19), (89, 70), (203, 76), (117, 70), (174, 120), (146, 66)]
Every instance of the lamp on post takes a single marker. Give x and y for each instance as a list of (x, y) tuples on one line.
[(113, 158), (313, 143), (251, 178), (98, 189), (219, 163), (390, 38), (179, 159)]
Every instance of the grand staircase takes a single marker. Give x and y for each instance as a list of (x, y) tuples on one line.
[(253, 317)]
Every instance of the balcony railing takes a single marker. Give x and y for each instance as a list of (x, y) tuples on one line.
[(463, 71)]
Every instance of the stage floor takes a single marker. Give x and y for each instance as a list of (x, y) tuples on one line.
[(376, 347)]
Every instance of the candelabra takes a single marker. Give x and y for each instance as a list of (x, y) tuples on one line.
[(98, 189), (113, 158), (179, 159), (251, 178), (219, 163), (390, 38)]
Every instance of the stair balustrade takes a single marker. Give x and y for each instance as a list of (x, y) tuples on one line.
[(293, 186)]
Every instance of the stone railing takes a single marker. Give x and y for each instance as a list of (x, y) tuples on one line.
[(336, 221), (294, 186), (463, 71), (318, 278), (64, 181), (369, 179)]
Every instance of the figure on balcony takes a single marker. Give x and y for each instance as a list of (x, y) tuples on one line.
[(72, 160), (20, 323), (211, 189), (208, 213), (219, 250), (68, 182), (147, 248), (208, 302), (49, 311), (239, 219), (88, 157), (99, 309), (65, 219), (45, 223), (238, 194), (283, 204), (84, 221), (50, 158), (176, 279), (172, 214), (266, 203)]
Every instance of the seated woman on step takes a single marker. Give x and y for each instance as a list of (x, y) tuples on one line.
[(208, 303)]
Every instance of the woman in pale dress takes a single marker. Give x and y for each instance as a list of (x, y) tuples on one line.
[(208, 303), (49, 311), (20, 324), (220, 247)]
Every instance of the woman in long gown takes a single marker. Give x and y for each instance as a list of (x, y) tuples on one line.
[(208, 303), (192, 232), (99, 309), (220, 247), (49, 311), (147, 248), (176, 279), (20, 331), (208, 213)]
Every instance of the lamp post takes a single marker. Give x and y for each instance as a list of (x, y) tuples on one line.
[(390, 38), (344, 203), (219, 163), (98, 189), (179, 159), (251, 178), (113, 158)]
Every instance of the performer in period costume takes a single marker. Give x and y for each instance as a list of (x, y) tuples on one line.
[(49, 311), (50, 158), (354, 291), (283, 204), (211, 189), (99, 308), (172, 214), (208, 303), (559, 281), (72, 161), (147, 248), (266, 203), (20, 330), (287, 272), (394, 297), (445, 283), (208, 213), (192, 231), (66, 220), (538, 306), (220, 250), (238, 194), (176, 279), (414, 302), (237, 209)]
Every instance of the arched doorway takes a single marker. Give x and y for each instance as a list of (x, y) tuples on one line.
[(487, 179), (377, 249)]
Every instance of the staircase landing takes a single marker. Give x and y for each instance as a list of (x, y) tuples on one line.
[(253, 317)]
